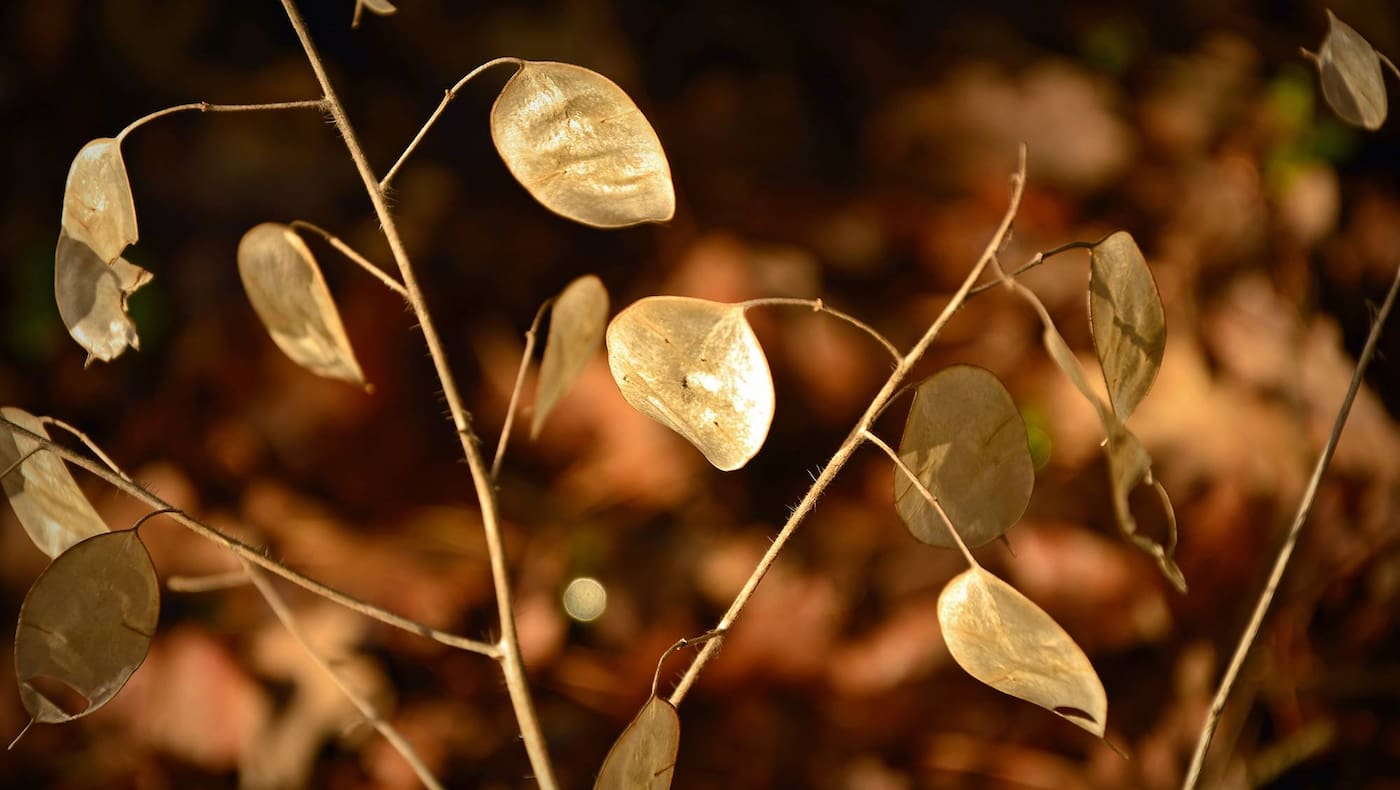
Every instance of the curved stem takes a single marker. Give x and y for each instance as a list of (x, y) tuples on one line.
[(355, 258), (854, 439), (121, 482), (1036, 260), (819, 306), (1285, 553), (208, 583), (82, 437), (927, 495), (446, 100), (289, 622), (530, 339), (204, 106), (18, 463), (512, 664)]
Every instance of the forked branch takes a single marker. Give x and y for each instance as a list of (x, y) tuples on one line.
[(854, 439)]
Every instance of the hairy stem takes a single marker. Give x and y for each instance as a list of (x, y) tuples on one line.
[(853, 440), (284, 614), (1285, 552), (512, 663), (531, 337), (355, 258), (204, 106), (446, 100), (122, 483), (819, 306)]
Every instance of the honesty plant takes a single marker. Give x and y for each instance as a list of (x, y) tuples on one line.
[(584, 150)]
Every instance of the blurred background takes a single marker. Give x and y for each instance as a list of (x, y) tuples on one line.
[(860, 153)]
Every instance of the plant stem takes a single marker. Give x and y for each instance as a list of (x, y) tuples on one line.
[(355, 258), (853, 440), (819, 306), (204, 106), (446, 100), (207, 583), (82, 437), (1036, 260), (1285, 553), (284, 614), (927, 495), (122, 483), (530, 340), (509, 645)]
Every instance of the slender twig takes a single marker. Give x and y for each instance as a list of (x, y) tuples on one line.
[(1387, 61), (18, 463), (819, 306), (925, 493), (209, 583), (1285, 552), (531, 337), (84, 438), (447, 98), (284, 614), (204, 106), (512, 664), (122, 483), (680, 644), (355, 258), (854, 439), (1036, 260)]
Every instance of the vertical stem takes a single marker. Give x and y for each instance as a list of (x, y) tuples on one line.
[(511, 661), (531, 337), (1285, 552), (852, 441)]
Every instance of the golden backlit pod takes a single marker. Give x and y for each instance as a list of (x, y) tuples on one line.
[(576, 325), (98, 209), (1126, 319), (966, 442), (1004, 640), (1350, 71), (92, 296), (47, 501), (695, 367), (287, 290), (580, 146)]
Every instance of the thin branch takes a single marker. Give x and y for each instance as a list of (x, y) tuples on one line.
[(209, 583), (819, 306), (284, 614), (1036, 260), (512, 664), (680, 644), (927, 495), (355, 258), (530, 340), (450, 94), (84, 438), (854, 439), (1285, 553), (121, 482), (204, 106), (18, 463)]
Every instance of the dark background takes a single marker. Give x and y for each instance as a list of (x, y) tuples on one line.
[(855, 152)]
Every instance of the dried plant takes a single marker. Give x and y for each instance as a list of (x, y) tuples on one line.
[(583, 149)]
